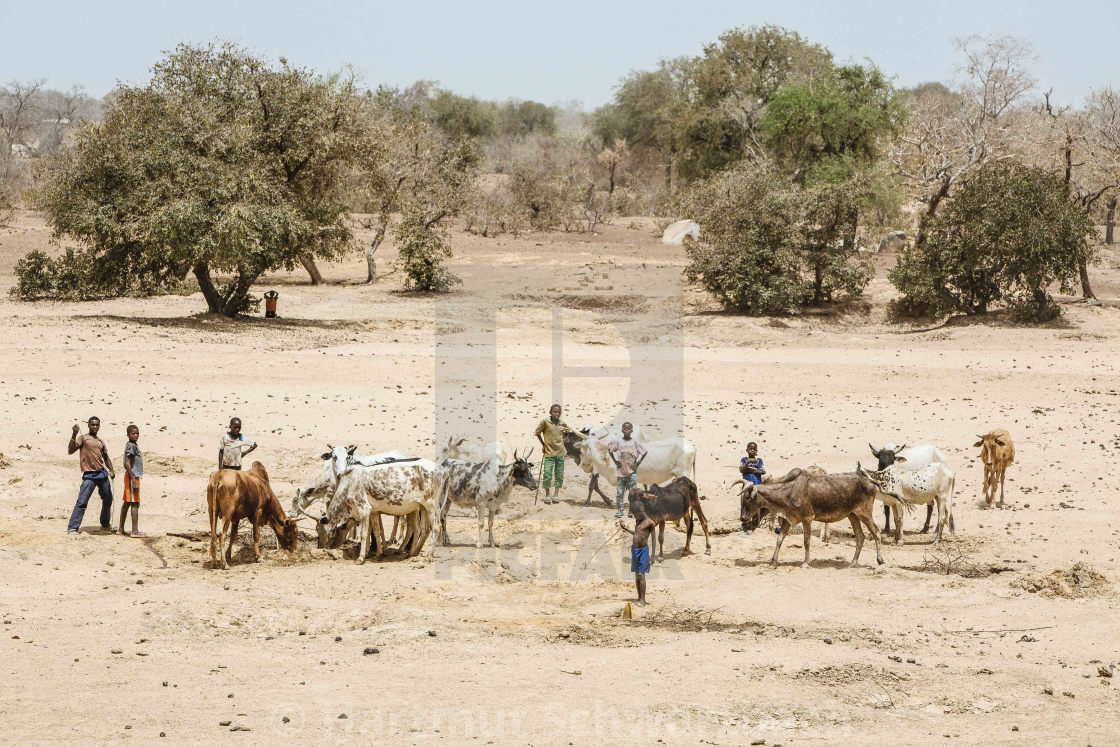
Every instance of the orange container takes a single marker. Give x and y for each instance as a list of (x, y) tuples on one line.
[(270, 303)]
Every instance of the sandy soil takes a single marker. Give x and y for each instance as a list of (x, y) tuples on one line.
[(1007, 634)]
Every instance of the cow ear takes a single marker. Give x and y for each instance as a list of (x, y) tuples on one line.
[(978, 443), (899, 459), (326, 456), (1000, 442)]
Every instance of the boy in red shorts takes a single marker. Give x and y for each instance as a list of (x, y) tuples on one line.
[(133, 471)]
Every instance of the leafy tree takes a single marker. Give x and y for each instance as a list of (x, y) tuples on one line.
[(463, 116), (644, 113), (836, 122), (1009, 233), (729, 86), (422, 233), (403, 164), (520, 118), (223, 163)]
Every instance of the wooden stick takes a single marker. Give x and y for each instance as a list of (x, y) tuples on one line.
[(1001, 630)]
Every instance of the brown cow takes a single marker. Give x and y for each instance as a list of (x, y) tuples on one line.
[(997, 452), (677, 500), (807, 498), (235, 495)]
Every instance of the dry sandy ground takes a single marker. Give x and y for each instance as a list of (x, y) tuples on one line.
[(105, 638)]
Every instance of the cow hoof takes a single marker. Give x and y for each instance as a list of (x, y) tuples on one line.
[(361, 561), (805, 565), (853, 564), (881, 561), (708, 551), (478, 545)]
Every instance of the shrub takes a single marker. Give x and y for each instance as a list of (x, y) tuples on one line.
[(424, 246), (767, 246), (1010, 233), (494, 212)]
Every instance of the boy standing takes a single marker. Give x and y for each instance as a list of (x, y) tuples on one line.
[(550, 433), (97, 472), (133, 462), (626, 454), (639, 550), (233, 447), (750, 466)]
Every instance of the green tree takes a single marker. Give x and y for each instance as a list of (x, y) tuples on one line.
[(426, 209), (463, 116), (520, 118), (834, 124), (404, 164), (729, 86), (644, 113), (1009, 233), (223, 163)]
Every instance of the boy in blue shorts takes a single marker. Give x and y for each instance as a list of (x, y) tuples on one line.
[(639, 550)]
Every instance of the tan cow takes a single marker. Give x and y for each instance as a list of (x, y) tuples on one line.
[(997, 452), (234, 495)]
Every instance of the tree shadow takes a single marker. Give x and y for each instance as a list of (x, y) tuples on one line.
[(218, 323)]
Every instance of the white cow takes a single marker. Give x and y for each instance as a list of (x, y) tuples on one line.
[(473, 451), (325, 483), (665, 460), (907, 458), (933, 484), (484, 486), (397, 489)]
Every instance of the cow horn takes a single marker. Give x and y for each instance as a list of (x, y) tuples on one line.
[(980, 437), (330, 448), (515, 455), (460, 442), (738, 482), (531, 449), (873, 449), (351, 449), (901, 449)]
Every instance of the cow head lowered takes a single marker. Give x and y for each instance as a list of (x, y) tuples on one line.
[(523, 471), (751, 509), (888, 455)]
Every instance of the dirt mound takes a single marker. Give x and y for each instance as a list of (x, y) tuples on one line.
[(1078, 582), (616, 303)]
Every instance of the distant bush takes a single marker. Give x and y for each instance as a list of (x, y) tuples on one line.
[(494, 212)]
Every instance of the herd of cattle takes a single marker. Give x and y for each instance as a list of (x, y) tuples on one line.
[(418, 493)]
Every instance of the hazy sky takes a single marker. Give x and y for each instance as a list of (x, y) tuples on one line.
[(551, 52)]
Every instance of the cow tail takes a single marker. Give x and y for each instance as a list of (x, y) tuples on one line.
[(694, 480), (952, 495)]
